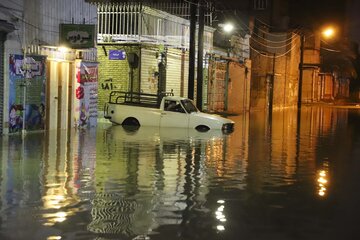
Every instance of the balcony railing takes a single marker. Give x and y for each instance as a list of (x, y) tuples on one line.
[(135, 22)]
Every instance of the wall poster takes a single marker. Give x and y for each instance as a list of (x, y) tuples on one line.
[(26, 77), (86, 94)]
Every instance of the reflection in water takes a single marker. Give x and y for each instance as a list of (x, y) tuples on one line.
[(269, 179), (220, 215), (322, 179)]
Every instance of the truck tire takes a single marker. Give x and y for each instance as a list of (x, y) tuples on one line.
[(131, 122)]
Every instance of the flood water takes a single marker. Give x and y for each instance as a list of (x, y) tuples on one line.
[(269, 179)]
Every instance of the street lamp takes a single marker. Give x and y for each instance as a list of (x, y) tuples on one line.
[(328, 32), (228, 28)]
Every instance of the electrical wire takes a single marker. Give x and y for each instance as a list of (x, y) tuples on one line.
[(260, 37), (247, 28), (265, 45), (276, 56)]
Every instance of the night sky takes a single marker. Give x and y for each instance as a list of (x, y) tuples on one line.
[(317, 12), (306, 13)]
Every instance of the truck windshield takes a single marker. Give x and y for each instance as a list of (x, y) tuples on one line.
[(189, 106)]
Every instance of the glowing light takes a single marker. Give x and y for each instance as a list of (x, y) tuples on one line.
[(328, 32), (228, 27), (220, 216), (53, 237), (63, 49), (221, 201), (322, 182), (220, 227), (219, 213)]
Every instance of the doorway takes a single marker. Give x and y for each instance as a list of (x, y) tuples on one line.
[(58, 95)]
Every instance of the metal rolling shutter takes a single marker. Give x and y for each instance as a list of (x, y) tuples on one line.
[(186, 74), (2, 48), (149, 65), (216, 86), (173, 71)]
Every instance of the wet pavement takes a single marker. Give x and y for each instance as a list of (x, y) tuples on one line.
[(269, 179)]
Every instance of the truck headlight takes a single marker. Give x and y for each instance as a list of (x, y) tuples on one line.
[(228, 127)]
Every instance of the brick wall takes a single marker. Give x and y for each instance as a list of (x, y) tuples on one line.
[(114, 74)]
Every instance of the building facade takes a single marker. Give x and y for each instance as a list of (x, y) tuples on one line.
[(39, 76)]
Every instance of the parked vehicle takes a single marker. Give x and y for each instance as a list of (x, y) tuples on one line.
[(139, 109)]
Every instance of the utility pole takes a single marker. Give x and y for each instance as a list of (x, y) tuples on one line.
[(298, 127), (199, 83), (193, 8), (302, 41)]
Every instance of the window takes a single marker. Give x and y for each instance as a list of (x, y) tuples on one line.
[(173, 106), (260, 4)]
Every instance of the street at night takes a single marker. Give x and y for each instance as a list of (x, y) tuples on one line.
[(269, 179), (179, 119)]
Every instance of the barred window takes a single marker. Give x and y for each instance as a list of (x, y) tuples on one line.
[(260, 4)]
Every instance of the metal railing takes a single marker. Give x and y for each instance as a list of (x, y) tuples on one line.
[(135, 22)]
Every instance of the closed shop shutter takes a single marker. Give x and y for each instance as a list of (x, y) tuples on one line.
[(186, 74), (1, 81), (216, 86), (149, 66), (173, 71)]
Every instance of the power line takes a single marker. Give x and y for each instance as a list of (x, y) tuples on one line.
[(276, 56), (268, 46)]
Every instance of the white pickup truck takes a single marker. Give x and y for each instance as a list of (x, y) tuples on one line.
[(140, 109)]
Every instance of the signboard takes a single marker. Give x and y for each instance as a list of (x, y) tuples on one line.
[(117, 55), (86, 94), (29, 74), (77, 35)]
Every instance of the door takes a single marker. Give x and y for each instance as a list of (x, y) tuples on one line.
[(58, 95), (64, 95), (52, 96), (174, 115)]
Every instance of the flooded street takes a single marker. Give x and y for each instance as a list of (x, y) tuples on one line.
[(269, 179)]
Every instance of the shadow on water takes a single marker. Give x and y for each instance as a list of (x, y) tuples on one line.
[(266, 180)]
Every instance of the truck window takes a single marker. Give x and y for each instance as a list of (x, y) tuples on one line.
[(173, 106), (189, 106)]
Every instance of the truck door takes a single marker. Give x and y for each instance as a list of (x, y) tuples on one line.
[(174, 115)]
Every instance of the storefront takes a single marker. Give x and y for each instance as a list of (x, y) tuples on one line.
[(51, 87), (5, 28)]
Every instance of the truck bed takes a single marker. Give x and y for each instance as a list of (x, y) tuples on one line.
[(137, 99)]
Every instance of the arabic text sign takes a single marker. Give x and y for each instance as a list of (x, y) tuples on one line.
[(77, 35), (117, 55)]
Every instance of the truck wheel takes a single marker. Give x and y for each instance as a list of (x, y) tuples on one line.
[(202, 128), (131, 122)]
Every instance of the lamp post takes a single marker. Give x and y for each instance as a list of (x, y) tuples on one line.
[(228, 28), (328, 32), (302, 41)]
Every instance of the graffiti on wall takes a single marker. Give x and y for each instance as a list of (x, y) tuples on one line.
[(107, 84), (27, 80)]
